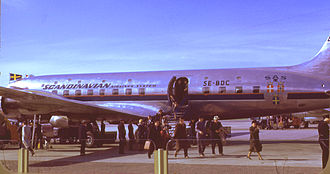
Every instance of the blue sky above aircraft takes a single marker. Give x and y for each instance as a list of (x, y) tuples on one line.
[(55, 37)]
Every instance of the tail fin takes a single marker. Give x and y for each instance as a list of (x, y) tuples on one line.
[(320, 64)]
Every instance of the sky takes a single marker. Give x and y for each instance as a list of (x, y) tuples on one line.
[(43, 37)]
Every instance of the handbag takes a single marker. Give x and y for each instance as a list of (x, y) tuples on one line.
[(147, 145)]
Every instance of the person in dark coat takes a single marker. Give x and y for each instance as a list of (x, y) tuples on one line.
[(215, 130), (83, 136), (201, 135), (180, 136), (323, 129), (140, 134), (38, 137), (130, 136), (102, 128), (122, 136), (255, 145), (192, 125), (154, 135)]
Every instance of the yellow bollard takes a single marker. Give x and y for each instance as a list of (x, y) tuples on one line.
[(160, 162), (23, 160)]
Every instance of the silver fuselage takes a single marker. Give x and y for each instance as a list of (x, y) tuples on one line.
[(231, 93)]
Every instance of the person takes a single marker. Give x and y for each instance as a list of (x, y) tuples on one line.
[(150, 121), (140, 134), (165, 135), (201, 136), (323, 129), (26, 137), (215, 130), (19, 132), (159, 115), (255, 145), (102, 128), (83, 136), (192, 125), (130, 136), (154, 136), (122, 136), (180, 136), (38, 137)]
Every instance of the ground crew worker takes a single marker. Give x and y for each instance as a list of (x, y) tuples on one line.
[(180, 136), (122, 136), (201, 136), (83, 136), (216, 128), (323, 129), (255, 145)]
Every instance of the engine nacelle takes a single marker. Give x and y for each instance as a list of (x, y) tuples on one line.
[(59, 121), (10, 107)]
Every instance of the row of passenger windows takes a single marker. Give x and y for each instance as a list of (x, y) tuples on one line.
[(128, 91), (238, 89)]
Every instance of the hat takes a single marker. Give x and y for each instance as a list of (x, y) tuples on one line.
[(216, 117)]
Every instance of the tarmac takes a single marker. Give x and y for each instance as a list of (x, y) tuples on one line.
[(284, 151)]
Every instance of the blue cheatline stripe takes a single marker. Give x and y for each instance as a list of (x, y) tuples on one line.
[(164, 97), (310, 95)]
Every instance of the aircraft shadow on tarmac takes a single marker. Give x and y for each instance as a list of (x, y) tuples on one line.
[(88, 157)]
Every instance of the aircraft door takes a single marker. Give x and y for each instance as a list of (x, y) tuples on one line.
[(178, 92)]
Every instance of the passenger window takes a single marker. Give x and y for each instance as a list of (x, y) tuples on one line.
[(142, 91), (54, 91), (65, 92), (206, 90), (102, 92), (90, 92), (256, 89), (128, 91), (222, 90), (239, 89), (77, 92), (115, 91)]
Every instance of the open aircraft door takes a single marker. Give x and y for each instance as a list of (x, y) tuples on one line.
[(178, 92)]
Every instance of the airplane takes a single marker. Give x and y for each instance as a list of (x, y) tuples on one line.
[(229, 93)]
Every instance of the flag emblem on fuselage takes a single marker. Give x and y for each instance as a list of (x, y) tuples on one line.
[(270, 87), (276, 100), (280, 87), (15, 76)]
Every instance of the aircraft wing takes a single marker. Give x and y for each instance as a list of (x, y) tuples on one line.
[(47, 103)]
